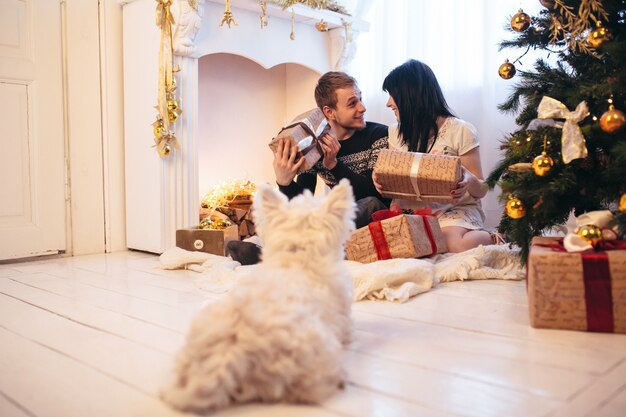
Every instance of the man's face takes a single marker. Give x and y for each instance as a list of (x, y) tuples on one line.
[(350, 111)]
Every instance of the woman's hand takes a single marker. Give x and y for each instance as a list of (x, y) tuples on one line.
[(285, 165), (471, 184), (378, 186), (463, 185), (330, 146)]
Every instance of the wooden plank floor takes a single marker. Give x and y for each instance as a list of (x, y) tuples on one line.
[(96, 336)]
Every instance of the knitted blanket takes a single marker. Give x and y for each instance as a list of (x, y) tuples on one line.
[(392, 280)]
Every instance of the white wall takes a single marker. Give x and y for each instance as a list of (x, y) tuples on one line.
[(241, 107)]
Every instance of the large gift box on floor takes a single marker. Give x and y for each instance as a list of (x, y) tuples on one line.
[(577, 291), (402, 236), (304, 131), (417, 176), (207, 240)]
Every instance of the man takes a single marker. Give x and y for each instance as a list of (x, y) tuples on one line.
[(350, 151)]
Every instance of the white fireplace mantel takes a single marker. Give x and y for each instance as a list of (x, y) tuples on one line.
[(162, 194)]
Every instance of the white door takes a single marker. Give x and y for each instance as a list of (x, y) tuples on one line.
[(32, 186)]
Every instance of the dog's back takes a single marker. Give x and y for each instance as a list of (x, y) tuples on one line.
[(278, 335)]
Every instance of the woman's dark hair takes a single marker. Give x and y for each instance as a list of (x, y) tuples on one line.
[(419, 99)]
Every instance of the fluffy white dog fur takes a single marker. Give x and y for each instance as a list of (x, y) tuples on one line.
[(278, 335)]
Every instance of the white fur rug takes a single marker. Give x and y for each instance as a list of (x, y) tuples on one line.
[(392, 279)]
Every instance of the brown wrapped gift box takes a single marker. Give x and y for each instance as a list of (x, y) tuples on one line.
[(576, 291), (209, 241), (405, 236), (417, 176), (304, 131)]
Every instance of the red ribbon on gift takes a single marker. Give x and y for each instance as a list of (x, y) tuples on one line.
[(597, 281), (380, 241), (598, 296), (378, 235)]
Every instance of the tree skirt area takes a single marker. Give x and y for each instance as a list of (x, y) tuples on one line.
[(391, 279)]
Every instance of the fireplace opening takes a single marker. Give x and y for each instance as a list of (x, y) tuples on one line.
[(241, 106)]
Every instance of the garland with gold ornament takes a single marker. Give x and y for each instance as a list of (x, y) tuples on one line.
[(167, 105), (331, 5)]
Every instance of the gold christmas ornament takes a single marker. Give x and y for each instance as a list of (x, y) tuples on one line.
[(172, 105), (206, 224), (164, 149), (548, 4), (599, 35), (228, 17), (612, 121), (173, 111), (622, 203), (159, 129), (591, 233), (506, 70), (542, 164), (321, 26), (520, 21), (515, 208), (221, 224)]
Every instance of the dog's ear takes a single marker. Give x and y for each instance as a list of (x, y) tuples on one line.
[(340, 201), (268, 201)]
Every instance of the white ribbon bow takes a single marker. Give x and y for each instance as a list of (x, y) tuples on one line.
[(572, 141), (604, 219)]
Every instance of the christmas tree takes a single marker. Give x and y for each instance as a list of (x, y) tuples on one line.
[(569, 153)]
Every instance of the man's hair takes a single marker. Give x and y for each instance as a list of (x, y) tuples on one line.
[(327, 86)]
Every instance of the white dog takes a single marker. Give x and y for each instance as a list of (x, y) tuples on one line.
[(278, 335)]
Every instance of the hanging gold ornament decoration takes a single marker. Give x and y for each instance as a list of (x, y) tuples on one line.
[(591, 233), (159, 129), (263, 17), (173, 110), (599, 35), (622, 203), (164, 148), (520, 21), (228, 17), (506, 70), (164, 137), (542, 164), (515, 208), (612, 121), (548, 4), (321, 26), (292, 35)]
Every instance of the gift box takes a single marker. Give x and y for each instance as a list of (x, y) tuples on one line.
[(577, 290), (305, 131), (207, 240), (401, 236), (417, 176)]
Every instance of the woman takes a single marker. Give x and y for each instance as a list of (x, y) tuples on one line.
[(426, 124)]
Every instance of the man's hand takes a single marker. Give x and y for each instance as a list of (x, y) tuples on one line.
[(330, 146), (285, 165)]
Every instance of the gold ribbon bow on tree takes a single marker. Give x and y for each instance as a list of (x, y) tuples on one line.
[(167, 105), (572, 141)]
